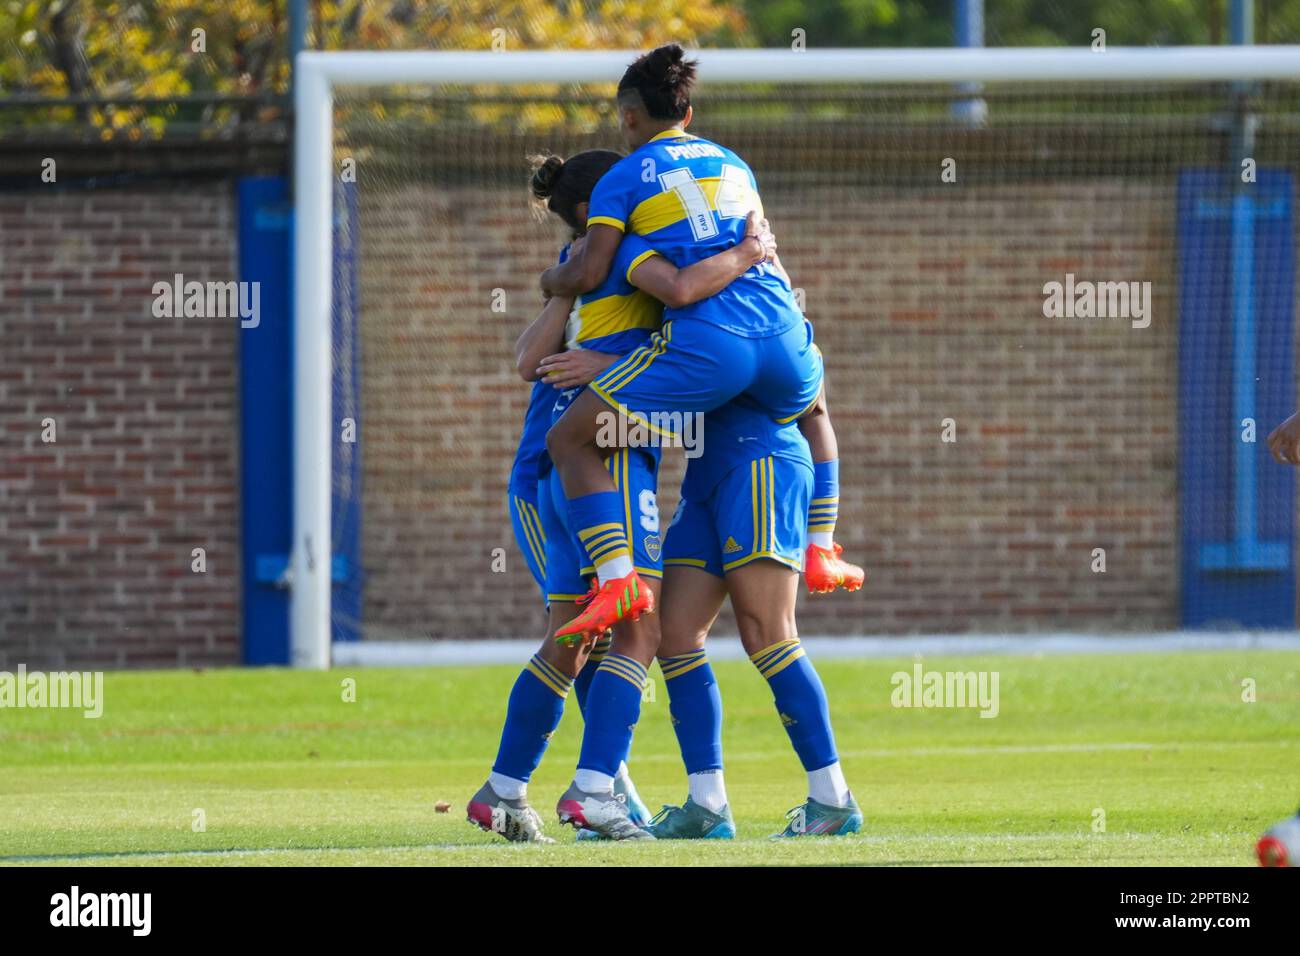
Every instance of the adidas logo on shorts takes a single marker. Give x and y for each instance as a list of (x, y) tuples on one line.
[(731, 547)]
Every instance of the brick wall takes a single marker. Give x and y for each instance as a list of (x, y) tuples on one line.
[(97, 527), (927, 304)]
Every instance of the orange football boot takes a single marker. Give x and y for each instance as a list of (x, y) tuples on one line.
[(607, 604), (824, 570)]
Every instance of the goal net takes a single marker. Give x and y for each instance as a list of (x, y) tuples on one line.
[(1056, 316)]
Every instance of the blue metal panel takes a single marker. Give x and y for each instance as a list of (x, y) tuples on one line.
[(266, 413), (1236, 276)]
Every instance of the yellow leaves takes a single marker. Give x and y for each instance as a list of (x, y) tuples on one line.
[(531, 24), (143, 49)]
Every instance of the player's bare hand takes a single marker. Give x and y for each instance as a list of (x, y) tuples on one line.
[(575, 249), (760, 229), (1284, 441), (574, 368)]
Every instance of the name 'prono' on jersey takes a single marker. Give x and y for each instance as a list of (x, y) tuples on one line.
[(689, 198)]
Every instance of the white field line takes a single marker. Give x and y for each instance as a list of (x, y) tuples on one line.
[(93, 773), (948, 842)]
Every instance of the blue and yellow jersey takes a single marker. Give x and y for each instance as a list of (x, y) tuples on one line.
[(615, 317), (531, 462), (737, 434), (688, 198), (527, 469)]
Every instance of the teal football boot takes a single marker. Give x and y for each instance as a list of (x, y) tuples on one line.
[(818, 819), (637, 811), (693, 822)]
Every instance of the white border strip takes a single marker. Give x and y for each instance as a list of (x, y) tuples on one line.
[(727, 647), (318, 72)]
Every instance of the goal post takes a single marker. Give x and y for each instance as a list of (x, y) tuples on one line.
[(320, 74)]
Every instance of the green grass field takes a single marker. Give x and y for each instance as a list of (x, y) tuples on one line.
[(286, 772)]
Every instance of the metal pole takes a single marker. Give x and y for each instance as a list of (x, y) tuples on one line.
[(968, 33), (297, 37), (1241, 28)]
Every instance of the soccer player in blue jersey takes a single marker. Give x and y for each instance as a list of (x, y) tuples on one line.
[(689, 198), (597, 329), (748, 345), (741, 525), (522, 487), (537, 699)]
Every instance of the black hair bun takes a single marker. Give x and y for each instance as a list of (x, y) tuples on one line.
[(546, 175), (668, 64)]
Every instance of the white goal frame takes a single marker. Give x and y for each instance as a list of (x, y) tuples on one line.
[(318, 74)]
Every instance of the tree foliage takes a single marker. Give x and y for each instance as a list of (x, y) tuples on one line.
[(924, 23), (127, 50)]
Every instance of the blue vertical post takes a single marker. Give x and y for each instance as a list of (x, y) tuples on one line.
[(1244, 379), (968, 23), (1241, 28), (968, 33), (1245, 532), (266, 418), (297, 36)]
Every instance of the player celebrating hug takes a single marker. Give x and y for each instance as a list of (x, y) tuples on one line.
[(689, 199), (595, 330), (747, 348)]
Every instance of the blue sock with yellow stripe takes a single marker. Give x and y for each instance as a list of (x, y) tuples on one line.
[(613, 708), (695, 705), (599, 520), (824, 508), (534, 711), (582, 683), (800, 700)]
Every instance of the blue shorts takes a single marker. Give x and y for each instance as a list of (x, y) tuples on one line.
[(530, 536), (759, 510), (568, 572), (693, 366)]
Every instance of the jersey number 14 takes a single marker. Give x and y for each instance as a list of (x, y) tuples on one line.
[(734, 199)]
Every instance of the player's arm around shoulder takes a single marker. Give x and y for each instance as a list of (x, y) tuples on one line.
[(677, 288), (586, 268)]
